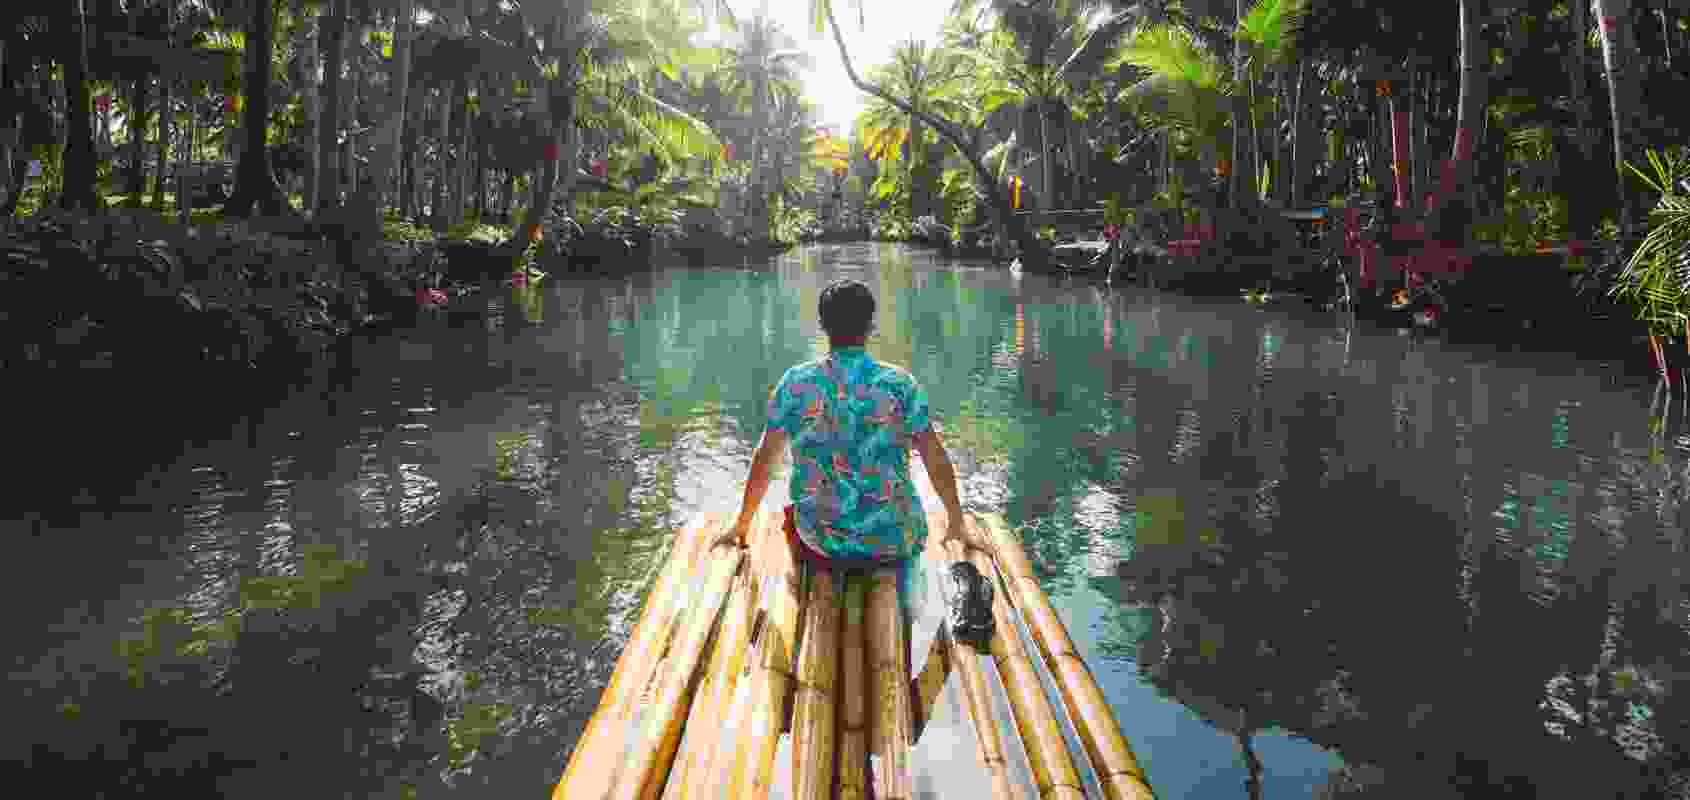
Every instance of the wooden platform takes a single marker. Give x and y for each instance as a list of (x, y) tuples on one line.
[(748, 677)]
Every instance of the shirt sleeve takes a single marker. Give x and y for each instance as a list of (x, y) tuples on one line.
[(784, 408), (915, 410)]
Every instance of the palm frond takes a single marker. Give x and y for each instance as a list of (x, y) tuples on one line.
[(1172, 52), (1271, 27)]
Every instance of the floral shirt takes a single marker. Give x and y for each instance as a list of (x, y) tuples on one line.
[(852, 420)]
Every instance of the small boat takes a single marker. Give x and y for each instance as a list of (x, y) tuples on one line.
[(748, 675)]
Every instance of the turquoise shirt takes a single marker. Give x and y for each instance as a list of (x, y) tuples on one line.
[(851, 421)]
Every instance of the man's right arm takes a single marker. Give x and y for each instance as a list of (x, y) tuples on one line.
[(940, 471)]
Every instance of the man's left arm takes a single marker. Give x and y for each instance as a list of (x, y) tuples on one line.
[(757, 483)]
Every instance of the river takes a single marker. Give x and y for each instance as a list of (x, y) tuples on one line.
[(1347, 560)]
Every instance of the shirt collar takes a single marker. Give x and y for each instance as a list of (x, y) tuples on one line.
[(850, 350)]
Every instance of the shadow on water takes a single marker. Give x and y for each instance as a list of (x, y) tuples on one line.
[(1303, 558)]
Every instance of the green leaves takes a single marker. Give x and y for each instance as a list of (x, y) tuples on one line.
[(997, 98), (1173, 53), (1271, 27), (1655, 278)]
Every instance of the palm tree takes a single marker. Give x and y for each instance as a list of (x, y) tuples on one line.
[(760, 63), (1187, 88), (968, 142), (1061, 43), (1268, 32), (601, 46), (929, 79)]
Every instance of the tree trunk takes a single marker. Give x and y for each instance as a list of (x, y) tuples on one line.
[(187, 154), (757, 198), (137, 142), (557, 117), (1618, 48), (166, 128), (460, 164), (408, 144), (350, 176), (1402, 166), (507, 196), (1302, 143), (1047, 185), (918, 199), (9, 128), (311, 64), (79, 167), (255, 182), (1581, 206), (437, 203), (331, 38), (385, 163), (1417, 122)]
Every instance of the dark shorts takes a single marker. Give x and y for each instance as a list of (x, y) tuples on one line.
[(907, 568)]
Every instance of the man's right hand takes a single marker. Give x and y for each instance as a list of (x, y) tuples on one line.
[(733, 535), (955, 530)]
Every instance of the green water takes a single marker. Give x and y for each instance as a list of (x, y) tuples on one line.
[(1265, 527)]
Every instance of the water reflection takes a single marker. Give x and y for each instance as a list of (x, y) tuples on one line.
[(1302, 556)]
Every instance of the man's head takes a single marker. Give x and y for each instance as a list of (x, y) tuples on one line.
[(847, 311)]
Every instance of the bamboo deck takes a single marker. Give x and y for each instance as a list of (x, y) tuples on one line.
[(747, 677)]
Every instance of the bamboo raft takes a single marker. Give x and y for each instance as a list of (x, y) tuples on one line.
[(749, 676)]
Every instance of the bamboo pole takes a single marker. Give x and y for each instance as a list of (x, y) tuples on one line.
[(1053, 768), (771, 673), (814, 698), (853, 709), (690, 776), (712, 775), (977, 694), (1118, 769), (651, 747), (889, 734), (634, 668)]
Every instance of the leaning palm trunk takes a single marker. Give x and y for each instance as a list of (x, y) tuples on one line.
[(1033, 255)]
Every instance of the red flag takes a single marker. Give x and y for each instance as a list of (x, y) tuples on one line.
[(103, 103)]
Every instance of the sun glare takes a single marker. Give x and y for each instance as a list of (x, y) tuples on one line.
[(885, 23)]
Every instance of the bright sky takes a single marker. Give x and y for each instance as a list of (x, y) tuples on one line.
[(888, 22)]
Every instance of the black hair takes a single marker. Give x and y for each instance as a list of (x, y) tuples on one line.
[(846, 308)]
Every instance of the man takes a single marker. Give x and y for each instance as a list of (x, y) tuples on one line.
[(852, 421)]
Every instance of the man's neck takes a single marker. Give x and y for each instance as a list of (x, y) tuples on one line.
[(843, 344)]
